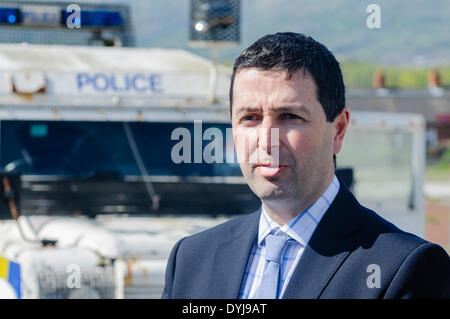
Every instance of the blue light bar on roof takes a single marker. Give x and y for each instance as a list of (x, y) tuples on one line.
[(96, 18), (9, 16)]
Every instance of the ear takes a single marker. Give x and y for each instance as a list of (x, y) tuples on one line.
[(340, 126)]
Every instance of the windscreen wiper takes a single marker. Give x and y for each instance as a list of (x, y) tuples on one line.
[(137, 156)]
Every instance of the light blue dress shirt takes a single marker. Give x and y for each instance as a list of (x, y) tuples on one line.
[(299, 230)]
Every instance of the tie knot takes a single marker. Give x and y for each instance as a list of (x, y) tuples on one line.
[(274, 246)]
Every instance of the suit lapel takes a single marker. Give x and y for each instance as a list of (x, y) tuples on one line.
[(231, 259), (327, 249)]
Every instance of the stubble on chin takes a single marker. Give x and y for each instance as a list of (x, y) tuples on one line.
[(273, 189)]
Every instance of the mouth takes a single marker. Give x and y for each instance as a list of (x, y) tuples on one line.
[(270, 170)]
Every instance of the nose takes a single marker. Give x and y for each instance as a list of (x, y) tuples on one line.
[(268, 136)]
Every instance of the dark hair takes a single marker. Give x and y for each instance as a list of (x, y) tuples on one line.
[(290, 52)]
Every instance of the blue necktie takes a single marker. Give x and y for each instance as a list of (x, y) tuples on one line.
[(269, 284)]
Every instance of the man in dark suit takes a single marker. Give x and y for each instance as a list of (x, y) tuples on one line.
[(311, 238)]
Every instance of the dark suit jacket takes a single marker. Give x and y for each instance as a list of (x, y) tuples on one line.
[(348, 239)]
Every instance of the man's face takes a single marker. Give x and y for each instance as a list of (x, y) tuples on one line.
[(267, 102)]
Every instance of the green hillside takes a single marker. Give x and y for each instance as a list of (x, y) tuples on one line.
[(359, 75)]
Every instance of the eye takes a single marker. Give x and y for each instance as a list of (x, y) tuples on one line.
[(249, 118), (290, 116)]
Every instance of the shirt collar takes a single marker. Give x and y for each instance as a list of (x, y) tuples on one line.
[(301, 227)]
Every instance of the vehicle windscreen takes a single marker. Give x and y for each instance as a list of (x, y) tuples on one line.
[(85, 149)]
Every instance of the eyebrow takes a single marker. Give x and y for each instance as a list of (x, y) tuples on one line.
[(287, 108)]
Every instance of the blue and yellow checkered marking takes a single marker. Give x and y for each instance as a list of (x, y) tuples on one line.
[(10, 271)]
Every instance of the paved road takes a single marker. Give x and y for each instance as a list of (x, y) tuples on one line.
[(437, 213)]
